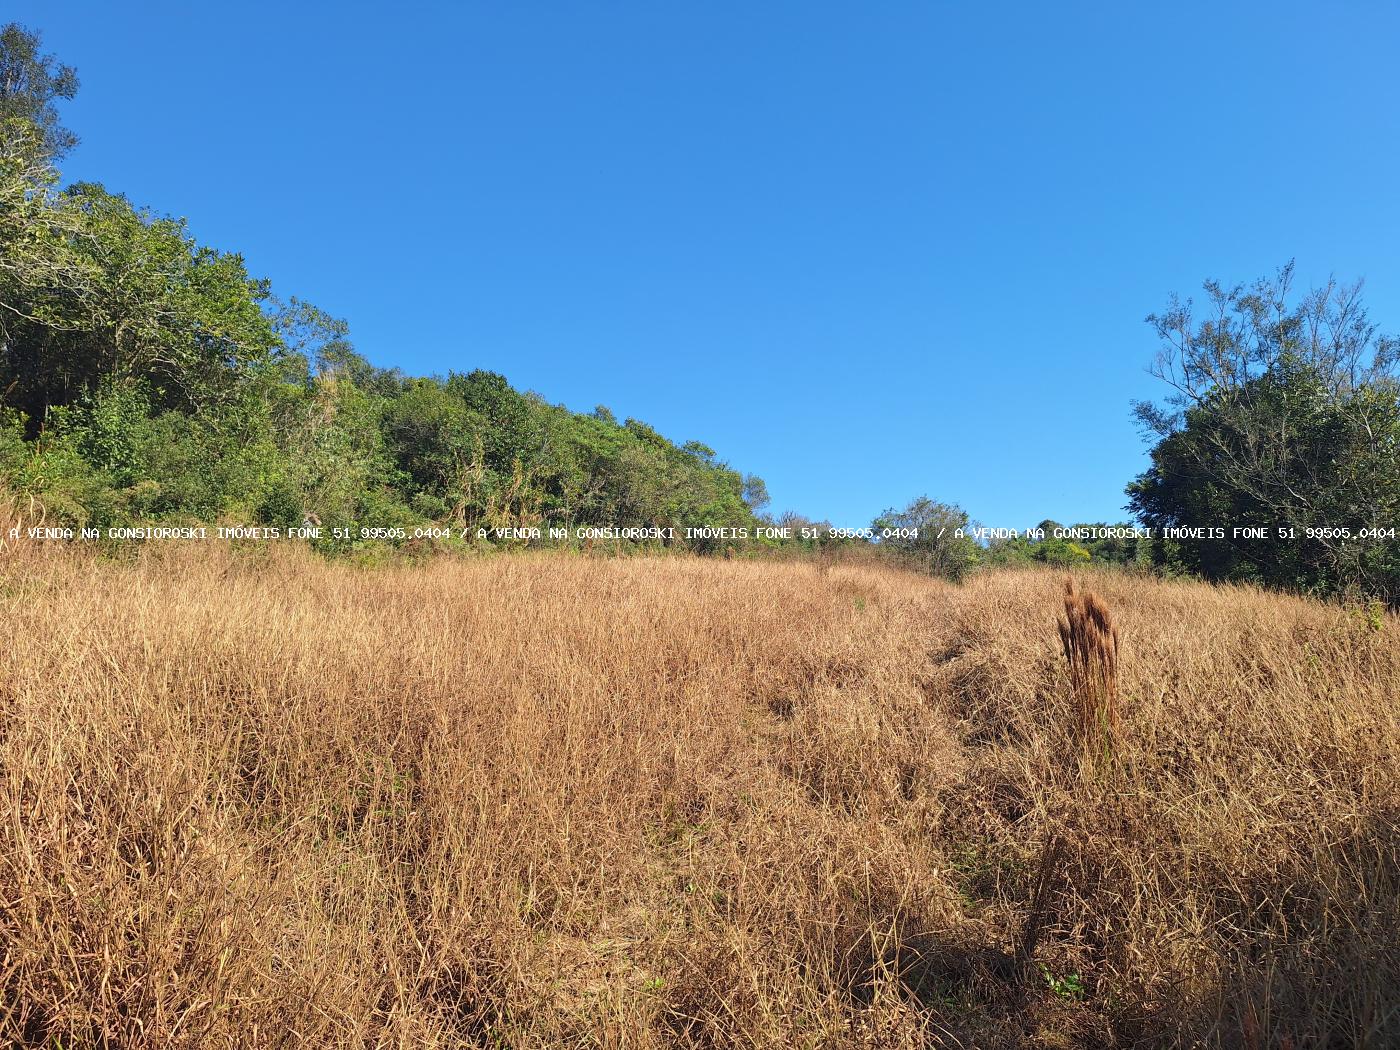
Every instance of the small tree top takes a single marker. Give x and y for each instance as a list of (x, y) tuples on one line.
[(30, 83)]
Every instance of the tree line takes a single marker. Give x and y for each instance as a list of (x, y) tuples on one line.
[(146, 376)]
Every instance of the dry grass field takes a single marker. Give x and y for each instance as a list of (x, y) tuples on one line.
[(260, 800)]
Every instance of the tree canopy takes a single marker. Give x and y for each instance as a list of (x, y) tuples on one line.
[(31, 83), (1284, 413), (145, 374)]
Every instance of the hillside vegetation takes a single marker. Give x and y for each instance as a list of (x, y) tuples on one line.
[(263, 799), (148, 377), (145, 376)]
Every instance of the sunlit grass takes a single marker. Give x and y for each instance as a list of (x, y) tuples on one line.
[(540, 800)]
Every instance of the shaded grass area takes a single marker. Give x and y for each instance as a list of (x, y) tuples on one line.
[(552, 801)]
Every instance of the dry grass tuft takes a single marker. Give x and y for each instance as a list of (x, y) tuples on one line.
[(252, 799), (1090, 642)]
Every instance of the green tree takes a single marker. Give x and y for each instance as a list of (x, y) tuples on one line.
[(136, 299), (1060, 552), (1284, 413), (47, 285), (31, 82), (756, 493), (931, 536), (436, 441)]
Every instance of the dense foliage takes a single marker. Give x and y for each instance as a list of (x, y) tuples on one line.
[(146, 376), (1285, 417)]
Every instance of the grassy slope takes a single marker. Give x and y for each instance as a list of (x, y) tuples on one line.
[(541, 800)]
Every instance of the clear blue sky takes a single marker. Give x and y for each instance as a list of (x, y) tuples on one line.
[(866, 251)]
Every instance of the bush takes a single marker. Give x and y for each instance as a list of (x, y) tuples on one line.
[(281, 505)]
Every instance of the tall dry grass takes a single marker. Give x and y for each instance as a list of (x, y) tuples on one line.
[(1090, 642), (258, 800)]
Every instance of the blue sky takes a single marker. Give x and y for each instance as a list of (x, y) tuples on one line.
[(867, 251)]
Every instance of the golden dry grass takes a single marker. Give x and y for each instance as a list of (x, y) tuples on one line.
[(259, 800), (1090, 643)]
